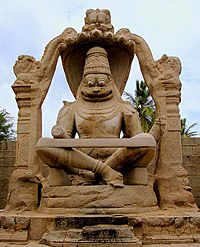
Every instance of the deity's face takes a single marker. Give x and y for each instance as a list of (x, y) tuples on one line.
[(97, 87)]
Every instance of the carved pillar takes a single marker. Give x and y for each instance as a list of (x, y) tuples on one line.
[(31, 87), (35, 128), (23, 98), (23, 187), (162, 77), (171, 177)]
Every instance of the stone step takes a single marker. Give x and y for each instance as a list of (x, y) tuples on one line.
[(96, 235), (13, 236), (78, 222), (161, 227)]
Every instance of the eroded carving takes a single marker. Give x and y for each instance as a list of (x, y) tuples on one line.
[(97, 24)]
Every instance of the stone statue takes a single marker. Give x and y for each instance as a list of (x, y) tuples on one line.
[(98, 112), (97, 63)]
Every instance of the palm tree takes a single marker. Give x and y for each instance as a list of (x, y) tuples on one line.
[(144, 104), (186, 132)]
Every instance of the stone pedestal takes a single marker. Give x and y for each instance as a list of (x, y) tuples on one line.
[(138, 176), (97, 199)]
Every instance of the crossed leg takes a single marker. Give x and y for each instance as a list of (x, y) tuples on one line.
[(75, 159)]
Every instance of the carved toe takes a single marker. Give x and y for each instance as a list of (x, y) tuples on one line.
[(118, 182), (115, 179)]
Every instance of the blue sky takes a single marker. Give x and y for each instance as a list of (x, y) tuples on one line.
[(169, 27)]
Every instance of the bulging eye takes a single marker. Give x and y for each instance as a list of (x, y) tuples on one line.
[(102, 80), (90, 83), (101, 83)]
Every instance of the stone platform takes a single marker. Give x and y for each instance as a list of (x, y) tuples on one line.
[(152, 228), (97, 199), (36, 244)]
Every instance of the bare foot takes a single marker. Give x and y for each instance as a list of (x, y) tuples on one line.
[(112, 177)]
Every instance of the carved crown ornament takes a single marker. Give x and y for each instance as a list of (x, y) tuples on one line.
[(97, 31)]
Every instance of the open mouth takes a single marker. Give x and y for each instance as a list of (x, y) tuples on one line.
[(98, 95)]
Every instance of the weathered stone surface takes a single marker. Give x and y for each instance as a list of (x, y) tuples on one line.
[(161, 227), (98, 234), (167, 229), (99, 196), (187, 150), (58, 177), (38, 226), (78, 222), (137, 176), (53, 237), (191, 162), (15, 236), (21, 223), (7, 160), (101, 245), (26, 185), (8, 222), (108, 233)]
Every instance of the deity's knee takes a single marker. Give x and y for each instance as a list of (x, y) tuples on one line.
[(142, 155), (125, 159), (49, 156)]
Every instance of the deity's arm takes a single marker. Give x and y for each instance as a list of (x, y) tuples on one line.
[(132, 125), (65, 124), (158, 128)]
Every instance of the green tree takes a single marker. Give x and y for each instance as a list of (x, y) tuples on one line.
[(6, 126), (145, 106), (143, 103), (186, 132)]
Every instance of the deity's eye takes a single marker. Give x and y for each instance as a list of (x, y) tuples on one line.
[(90, 80), (90, 83), (102, 80), (101, 83)]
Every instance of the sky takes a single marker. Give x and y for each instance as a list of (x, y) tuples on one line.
[(169, 27)]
